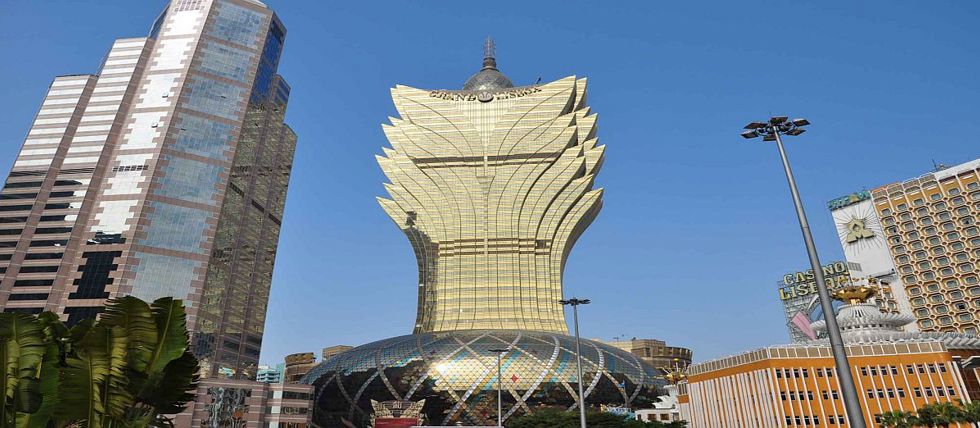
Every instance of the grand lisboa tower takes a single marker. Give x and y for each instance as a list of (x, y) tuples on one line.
[(492, 185)]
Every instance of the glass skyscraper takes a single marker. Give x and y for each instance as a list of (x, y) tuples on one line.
[(165, 174)]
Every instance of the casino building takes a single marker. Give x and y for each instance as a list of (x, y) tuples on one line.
[(797, 385), (921, 239), (492, 185)]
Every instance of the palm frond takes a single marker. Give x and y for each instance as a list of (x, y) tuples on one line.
[(21, 352), (135, 317), (172, 342)]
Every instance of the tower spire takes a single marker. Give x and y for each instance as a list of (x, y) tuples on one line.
[(489, 55)]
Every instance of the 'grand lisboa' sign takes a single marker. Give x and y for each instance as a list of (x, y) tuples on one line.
[(484, 96)]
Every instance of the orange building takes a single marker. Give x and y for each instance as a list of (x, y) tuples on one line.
[(797, 386)]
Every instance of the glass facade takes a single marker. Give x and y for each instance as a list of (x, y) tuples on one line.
[(171, 170), (176, 228), (237, 24), (456, 374), (213, 97), (190, 180), (236, 290), (225, 61), (203, 137), (161, 276)]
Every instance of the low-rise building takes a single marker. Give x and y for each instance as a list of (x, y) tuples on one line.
[(666, 410), (270, 374), (245, 403), (796, 385)]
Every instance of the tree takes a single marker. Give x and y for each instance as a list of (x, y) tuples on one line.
[(546, 418), (971, 411), (654, 424), (899, 419), (939, 414), (129, 369), (22, 349), (557, 418)]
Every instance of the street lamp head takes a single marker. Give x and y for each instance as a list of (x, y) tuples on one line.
[(801, 122), (769, 137), (776, 120), (748, 135), (795, 131), (575, 301), (755, 125)]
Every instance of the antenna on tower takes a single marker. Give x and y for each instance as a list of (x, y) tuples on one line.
[(488, 48), (489, 54)]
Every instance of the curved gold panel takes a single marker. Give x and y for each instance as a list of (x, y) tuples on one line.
[(492, 188)]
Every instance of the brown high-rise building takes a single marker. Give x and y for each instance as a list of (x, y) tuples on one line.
[(297, 365), (330, 351), (656, 352), (164, 174)]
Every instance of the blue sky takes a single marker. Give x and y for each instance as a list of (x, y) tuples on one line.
[(697, 225)]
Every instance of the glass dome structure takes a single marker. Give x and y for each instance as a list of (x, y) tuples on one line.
[(488, 78), (455, 372)]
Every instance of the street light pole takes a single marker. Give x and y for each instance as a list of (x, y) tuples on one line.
[(500, 395), (771, 131), (574, 302)]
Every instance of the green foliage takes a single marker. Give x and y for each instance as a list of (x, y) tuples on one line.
[(558, 418), (971, 411), (127, 370), (941, 414), (22, 349), (899, 419)]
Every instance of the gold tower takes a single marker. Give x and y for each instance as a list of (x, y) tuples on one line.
[(492, 185)]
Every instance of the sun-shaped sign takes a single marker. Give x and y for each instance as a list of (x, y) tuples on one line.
[(857, 230)]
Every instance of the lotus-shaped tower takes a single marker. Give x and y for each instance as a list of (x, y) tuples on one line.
[(492, 185)]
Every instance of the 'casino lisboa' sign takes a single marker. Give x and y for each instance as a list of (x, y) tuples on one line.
[(800, 284)]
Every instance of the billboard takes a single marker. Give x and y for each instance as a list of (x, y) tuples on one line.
[(395, 422), (801, 304)]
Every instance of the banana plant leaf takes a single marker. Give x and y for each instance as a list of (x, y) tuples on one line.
[(21, 352)]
